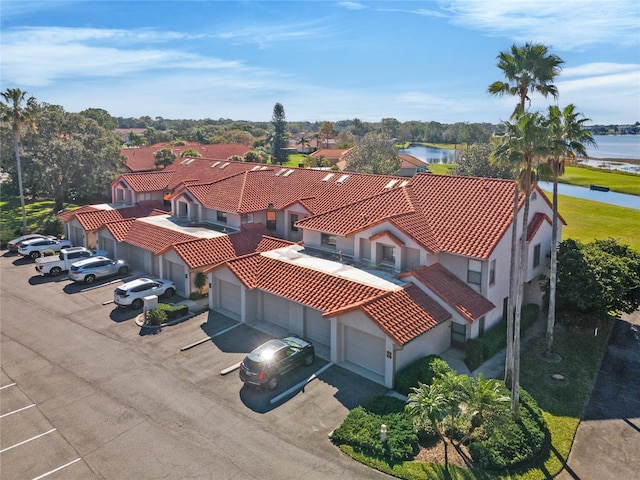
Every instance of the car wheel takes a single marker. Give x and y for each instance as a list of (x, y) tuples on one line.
[(55, 271), (123, 270), (273, 383), (89, 279), (169, 293), (34, 255), (308, 360), (137, 303)]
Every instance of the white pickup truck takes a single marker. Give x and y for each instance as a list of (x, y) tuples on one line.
[(54, 266)]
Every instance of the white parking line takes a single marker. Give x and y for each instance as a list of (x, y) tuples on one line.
[(16, 411), (230, 369), (57, 469), (206, 339), (28, 440), (7, 386), (300, 385)]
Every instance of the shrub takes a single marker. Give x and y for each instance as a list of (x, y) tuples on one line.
[(419, 371), (361, 430), (507, 443), (173, 311), (156, 317), (479, 350)]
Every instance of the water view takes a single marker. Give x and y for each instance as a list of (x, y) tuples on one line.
[(612, 198), (430, 154)]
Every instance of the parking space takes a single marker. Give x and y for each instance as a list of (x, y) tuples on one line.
[(114, 400), (30, 445)]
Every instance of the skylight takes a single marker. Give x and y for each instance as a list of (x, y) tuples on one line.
[(224, 166), (214, 164), (342, 179), (392, 183), (328, 177), (280, 172), (288, 172)]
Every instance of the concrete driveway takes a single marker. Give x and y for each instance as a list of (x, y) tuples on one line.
[(85, 393), (607, 443)]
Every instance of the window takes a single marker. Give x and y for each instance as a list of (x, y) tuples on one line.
[(492, 272), (474, 273), (458, 334), (271, 220), (293, 219), (388, 254), (536, 256), (221, 216), (247, 218), (328, 240)]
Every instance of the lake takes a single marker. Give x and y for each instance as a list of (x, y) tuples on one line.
[(430, 154), (612, 198)]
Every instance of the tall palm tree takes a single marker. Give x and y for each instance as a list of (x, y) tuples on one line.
[(303, 141), (522, 142), (527, 68), (567, 137), (18, 115)]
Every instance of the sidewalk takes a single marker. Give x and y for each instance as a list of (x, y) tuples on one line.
[(494, 367)]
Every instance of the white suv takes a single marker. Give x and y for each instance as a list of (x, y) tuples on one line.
[(131, 294), (33, 248)]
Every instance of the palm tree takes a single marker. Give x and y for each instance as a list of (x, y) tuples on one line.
[(427, 404), (14, 112), (567, 138), (521, 143), (303, 141), (527, 68), (483, 398)]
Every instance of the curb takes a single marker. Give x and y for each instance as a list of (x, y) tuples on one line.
[(140, 321)]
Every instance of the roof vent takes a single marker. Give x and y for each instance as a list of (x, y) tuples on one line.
[(264, 168), (222, 167), (404, 183), (215, 164), (288, 172), (257, 167), (342, 179), (280, 172), (392, 183)]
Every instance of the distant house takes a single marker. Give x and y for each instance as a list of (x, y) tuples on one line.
[(409, 167), (332, 155), (142, 159)]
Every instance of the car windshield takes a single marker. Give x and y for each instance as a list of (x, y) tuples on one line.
[(74, 268), (121, 292)]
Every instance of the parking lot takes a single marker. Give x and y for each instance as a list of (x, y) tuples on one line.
[(86, 393)]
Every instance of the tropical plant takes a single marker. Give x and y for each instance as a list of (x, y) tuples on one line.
[(200, 281), (164, 157), (527, 68), (567, 138), (520, 143), (19, 112), (303, 141), (191, 153)]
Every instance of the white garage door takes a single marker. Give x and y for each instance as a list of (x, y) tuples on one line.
[(137, 257), (365, 350), (174, 272), (316, 328), (275, 310), (109, 245), (230, 297)]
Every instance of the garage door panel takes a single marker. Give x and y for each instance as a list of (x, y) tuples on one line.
[(275, 310), (230, 297), (316, 328), (365, 350)]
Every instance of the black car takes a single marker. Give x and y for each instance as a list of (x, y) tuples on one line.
[(265, 364)]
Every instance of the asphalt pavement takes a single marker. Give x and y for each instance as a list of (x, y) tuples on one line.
[(607, 442)]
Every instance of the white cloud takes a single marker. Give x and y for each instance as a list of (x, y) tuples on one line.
[(566, 25)]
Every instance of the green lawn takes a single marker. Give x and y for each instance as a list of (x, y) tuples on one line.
[(622, 182)]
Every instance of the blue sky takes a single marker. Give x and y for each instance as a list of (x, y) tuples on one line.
[(323, 60)]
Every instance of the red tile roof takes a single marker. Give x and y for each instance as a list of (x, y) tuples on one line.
[(535, 223), (94, 219), (212, 251), (411, 161), (403, 314), (119, 228), (153, 237), (69, 214), (453, 291), (141, 159)]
